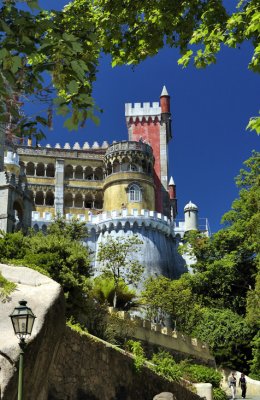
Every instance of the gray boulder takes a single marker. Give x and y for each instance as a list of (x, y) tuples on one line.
[(164, 396), (45, 298)]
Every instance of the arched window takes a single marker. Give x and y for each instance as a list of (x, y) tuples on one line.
[(134, 193), (68, 172), (88, 201), (98, 203), (98, 174), (116, 166), (88, 173), (36, 227), (133, 167), (68, 200), (125, 164), (50, 171), (40, 169), (30, 169), (109, 169), (79, 172), (39, 198), (49, 199), (78, 202)]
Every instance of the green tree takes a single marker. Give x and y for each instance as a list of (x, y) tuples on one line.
[(59, 254), (12, 245), (227, 263), (255, 363), (35, 42), (74, 230), (166, 298), (228, 336), (116, 256), (66, 261), (212, 303), (67, 44)]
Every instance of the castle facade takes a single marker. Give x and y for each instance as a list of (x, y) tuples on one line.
[(119, 189)]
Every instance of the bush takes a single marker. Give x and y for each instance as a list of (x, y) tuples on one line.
[(6, 288), (219, 394), (201, 373), (165, 365), (135, 347)]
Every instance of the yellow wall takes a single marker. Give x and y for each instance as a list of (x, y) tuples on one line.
[(115, 193)]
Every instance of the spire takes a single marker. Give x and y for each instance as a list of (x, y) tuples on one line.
[(171, 182), (164, 92), (165, 101)]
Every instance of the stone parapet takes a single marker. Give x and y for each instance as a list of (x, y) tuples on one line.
[(142, 111), (158, 335), (94, 152), (112, 219), (125, 146)]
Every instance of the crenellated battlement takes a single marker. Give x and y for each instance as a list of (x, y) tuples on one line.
[(116, 219), (157, 334), (142, 111), (86, 146), (67, 151), (77, 146)]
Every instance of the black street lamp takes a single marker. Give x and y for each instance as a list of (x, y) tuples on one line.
[(22, 319)]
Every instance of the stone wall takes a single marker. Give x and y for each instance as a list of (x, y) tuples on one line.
[(180, 345), (91, 369)]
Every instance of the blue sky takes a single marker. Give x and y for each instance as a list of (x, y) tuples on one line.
[(210, 111)]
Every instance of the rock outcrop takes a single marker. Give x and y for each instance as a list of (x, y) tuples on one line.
[(45, 298)]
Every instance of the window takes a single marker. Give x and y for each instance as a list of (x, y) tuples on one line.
[(134, 193)]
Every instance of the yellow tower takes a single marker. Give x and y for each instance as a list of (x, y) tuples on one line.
[(129, 179)]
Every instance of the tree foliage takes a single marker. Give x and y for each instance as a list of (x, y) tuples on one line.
[(131, 32), (116, 256), (58, 254), (103, 291), (66, 44), (219, 301), (228, 336), (35, 42), (164, 297)]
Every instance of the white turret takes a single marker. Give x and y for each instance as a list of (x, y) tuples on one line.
[(191, 217), (11, 161)]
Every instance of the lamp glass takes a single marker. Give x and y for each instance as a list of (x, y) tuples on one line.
[(22, 318)]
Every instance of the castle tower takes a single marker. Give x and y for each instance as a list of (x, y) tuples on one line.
[(152, 124), (190, 217), (129, 177)]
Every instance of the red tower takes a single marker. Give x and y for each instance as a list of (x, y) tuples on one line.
[(152, 124)]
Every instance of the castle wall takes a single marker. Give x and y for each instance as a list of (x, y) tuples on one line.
[(158, 252)]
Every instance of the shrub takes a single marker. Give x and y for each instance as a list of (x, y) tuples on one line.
[(6, 288), (219, 394), (201, 373), (165, 365), (139, 357)]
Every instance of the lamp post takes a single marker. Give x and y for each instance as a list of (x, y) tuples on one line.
[(22, 319)]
